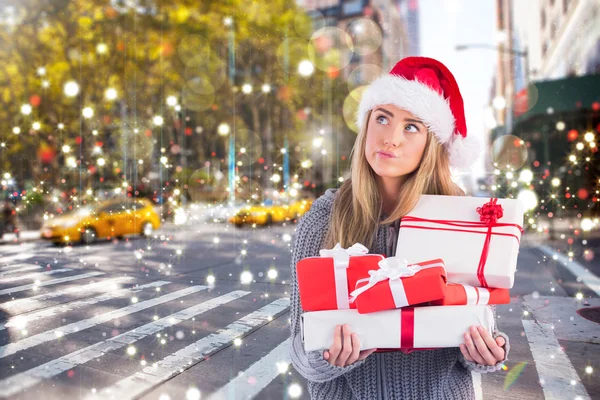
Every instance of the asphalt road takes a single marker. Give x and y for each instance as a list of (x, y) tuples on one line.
[(201, 311)]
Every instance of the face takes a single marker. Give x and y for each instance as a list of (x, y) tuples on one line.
[(395, 143)]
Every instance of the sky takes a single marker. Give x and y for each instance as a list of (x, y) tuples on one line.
[(448, 23)]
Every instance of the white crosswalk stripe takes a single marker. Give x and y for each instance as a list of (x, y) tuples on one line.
[(22, 381), (50, 282), (185, 358), (35, 275), (26, 304), (21, 321), (263, 372), (78, 326), (18, 268), (558, 378)]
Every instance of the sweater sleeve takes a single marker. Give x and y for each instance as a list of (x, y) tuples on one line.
[(475, 367), (310, 234)]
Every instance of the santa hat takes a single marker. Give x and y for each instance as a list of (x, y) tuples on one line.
[(426, 88)]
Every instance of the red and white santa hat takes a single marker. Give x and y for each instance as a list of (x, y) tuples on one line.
[(427, 89)]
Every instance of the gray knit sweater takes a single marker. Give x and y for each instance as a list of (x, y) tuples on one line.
[(426, 374)]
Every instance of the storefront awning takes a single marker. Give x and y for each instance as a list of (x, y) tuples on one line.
[(568, 95)]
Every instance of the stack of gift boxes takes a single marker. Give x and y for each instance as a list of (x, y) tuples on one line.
[(455, 257)]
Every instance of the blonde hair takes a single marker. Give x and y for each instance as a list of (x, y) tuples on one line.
[(357, 205)]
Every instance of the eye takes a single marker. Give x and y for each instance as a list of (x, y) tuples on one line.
[(380, 118), (412, 128)]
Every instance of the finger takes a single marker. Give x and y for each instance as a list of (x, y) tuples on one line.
[(500, 340), (473, 350), (482, 347), (346, 346), (465, 353), (326, 355), (365, 353), (355, 349), (336, 347), (497, 351)]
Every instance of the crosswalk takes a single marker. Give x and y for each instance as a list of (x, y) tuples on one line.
[(65, 310), (136, 337)]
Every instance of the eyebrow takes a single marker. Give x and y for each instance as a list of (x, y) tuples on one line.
[(405, 119), (414, 120), (385, 111)]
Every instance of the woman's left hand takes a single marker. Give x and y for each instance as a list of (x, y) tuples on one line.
[(481, 347)]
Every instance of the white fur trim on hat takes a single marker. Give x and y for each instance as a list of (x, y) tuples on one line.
[(424, 103), (463, 152)]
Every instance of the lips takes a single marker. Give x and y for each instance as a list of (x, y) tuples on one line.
[(385, 154)]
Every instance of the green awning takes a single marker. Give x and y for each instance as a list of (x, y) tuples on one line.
[(573, 94)]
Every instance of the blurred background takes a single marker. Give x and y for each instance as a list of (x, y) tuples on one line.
[(168, 149), (187, 103)]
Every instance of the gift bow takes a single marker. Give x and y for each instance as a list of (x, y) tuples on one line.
[(341, 261), (341, 256), (389, 268)]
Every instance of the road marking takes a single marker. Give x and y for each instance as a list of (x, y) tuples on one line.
[(20, 256), (47, 283), (187, 357), (18, 268), (21, 320), (78, 326), (589, 279), (24, 380), (263, 372), (477, 385), (558, 378), (34, 275), (26, 304)]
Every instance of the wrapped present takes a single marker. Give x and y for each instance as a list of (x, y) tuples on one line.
[(409, 327), (461, 294), (324, 282), (477, 238), (396, 284)]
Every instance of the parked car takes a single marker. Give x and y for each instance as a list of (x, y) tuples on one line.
[(263, 215), (112, 218)]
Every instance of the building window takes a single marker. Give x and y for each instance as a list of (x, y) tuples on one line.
[(565, 4), (543, 19)]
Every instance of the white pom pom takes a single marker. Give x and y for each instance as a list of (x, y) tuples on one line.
[(463, 152)]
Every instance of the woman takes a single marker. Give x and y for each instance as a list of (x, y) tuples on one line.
[(412, 129)]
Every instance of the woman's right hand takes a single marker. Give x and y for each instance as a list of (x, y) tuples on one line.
[(345, 349)]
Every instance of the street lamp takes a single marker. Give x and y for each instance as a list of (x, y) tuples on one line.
[(520, 53)]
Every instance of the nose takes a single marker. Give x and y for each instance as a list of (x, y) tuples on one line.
[(395, 139)]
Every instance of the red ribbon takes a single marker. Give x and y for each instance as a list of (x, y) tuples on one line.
[(407, 327), (489, 214)]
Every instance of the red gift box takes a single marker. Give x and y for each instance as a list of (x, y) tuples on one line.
[(396, 285), (459, 294), (324, 282)]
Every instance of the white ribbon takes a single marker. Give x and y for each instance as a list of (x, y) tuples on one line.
[(476, 295), (391, 269), (341, 261)]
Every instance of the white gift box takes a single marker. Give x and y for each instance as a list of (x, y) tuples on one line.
[(449, 227), (433, 327)]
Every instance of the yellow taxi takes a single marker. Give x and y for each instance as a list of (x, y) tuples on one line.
[(260, 214), (112, 218)]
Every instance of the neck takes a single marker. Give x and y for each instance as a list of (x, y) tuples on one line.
[(389, 190)]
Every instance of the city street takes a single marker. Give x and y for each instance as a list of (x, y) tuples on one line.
[(143, 318)]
